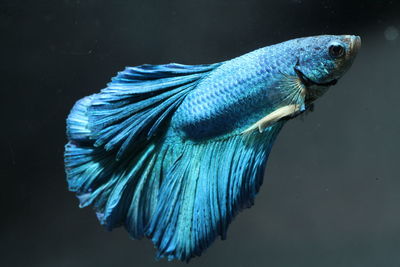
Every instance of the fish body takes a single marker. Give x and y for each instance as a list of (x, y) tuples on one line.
[(146, 151)]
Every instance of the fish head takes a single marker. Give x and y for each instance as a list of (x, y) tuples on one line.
[(322, 60)]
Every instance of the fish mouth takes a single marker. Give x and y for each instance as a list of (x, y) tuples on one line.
[(309, 82), (354, 43)]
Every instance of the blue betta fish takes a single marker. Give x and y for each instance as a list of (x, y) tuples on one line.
[(173, 152)]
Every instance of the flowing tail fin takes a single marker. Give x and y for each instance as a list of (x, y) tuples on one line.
[(175, 192), (114, 142)]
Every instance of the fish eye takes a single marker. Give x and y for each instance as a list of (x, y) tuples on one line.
[(336, 50)]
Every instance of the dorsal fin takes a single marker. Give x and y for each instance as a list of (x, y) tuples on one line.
[(137, 103)]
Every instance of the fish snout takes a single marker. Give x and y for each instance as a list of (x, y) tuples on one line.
[(354, 43)]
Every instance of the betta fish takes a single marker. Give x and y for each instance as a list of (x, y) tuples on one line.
[(173, 152)]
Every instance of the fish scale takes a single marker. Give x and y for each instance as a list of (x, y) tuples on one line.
[(225, 95)]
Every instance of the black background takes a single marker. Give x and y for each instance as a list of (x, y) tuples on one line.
[(331, 196)]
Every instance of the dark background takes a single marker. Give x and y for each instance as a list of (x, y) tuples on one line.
[(331, 196)]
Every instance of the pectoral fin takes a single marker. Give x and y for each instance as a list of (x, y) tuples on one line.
[(273, 117)]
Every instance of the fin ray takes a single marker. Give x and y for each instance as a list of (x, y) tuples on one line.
[(132, 106)]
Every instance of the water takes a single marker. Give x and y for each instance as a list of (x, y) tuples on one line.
[(332, 190)]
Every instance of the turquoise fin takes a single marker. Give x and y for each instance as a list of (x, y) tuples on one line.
[(138, 102), (175, 192), (199, 196), (131, 114)]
